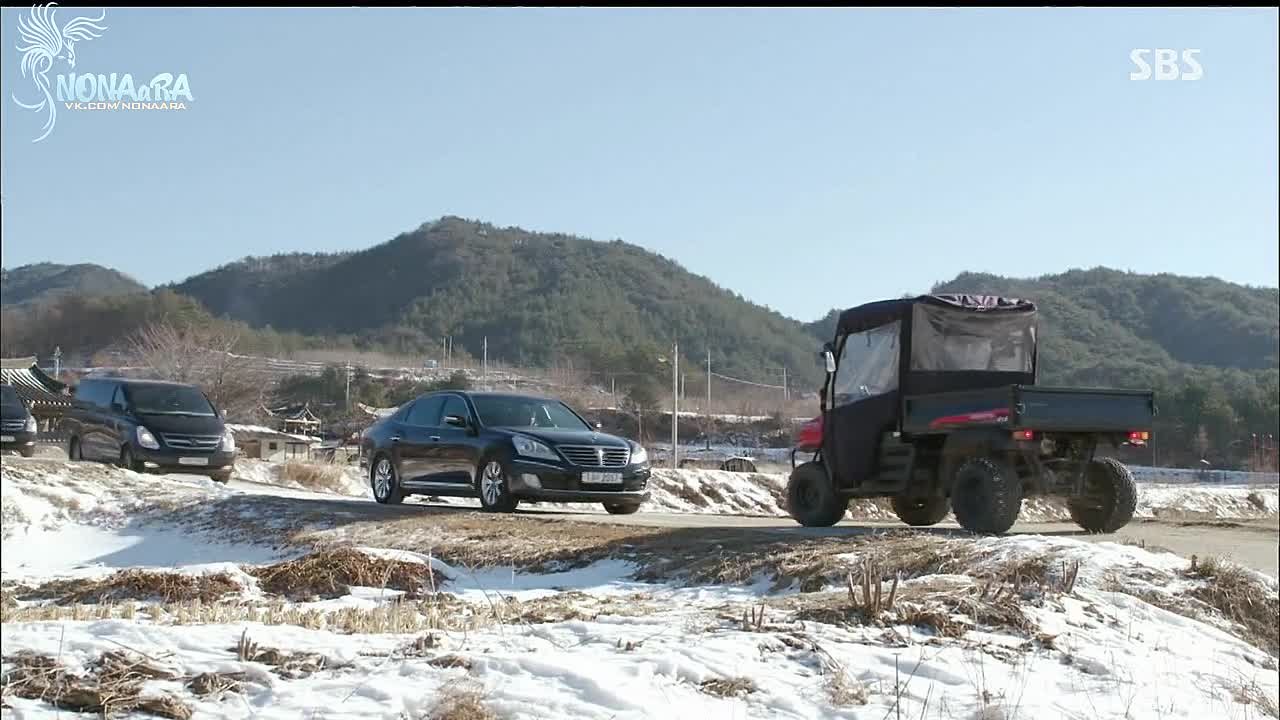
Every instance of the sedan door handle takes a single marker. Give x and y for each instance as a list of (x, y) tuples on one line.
[(394, 438), (435, 438)]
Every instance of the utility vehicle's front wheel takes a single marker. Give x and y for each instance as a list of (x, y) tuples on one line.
[(1110, 497), (921, 511), (986, 496), (811, 499)]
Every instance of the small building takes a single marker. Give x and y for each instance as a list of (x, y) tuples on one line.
[(46, 398), (263, 443), (295, 419)]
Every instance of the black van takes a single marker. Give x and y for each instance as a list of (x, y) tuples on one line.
[(149, 425), (17, 427)]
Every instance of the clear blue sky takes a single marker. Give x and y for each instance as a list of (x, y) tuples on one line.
[(805, 159)]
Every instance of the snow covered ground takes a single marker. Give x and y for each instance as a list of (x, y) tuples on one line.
[(990, 628)]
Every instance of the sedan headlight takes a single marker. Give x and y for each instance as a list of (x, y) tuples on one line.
[(146, 439), (528, 447), (30, 426), (228, 442), (639, 455)]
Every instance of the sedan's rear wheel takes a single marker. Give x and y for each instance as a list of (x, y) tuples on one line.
[(493, 489), (385, 481)]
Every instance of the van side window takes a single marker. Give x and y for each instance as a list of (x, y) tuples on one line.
[(118, 397)]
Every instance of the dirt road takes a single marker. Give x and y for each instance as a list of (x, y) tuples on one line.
[(1253, 543)]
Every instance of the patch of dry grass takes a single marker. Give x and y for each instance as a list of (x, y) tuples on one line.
[(330, 573), (1251, 693), (460, 701), (289, 665), (112, 685), (728, 687), (440, 612), (215, 684), (324, 477), (134, 584), (1241, 598), (810, 563), (950, 607)]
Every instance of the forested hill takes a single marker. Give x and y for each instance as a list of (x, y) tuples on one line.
[(42, 282), (539, 298)]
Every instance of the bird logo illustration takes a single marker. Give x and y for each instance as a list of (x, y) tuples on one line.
[(43, 45)]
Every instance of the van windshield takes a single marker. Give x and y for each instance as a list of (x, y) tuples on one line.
[(9, 396), (169, 400)]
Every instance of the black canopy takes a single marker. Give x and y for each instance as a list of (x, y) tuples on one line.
[(883, 312)]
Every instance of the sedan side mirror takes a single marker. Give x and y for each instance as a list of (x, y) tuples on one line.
[(455, 421), (118, 408), (829, 359)]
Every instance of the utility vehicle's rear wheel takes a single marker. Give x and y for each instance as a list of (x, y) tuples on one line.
[(921, 511), (986, 496), (810, 498), (1110, 497)]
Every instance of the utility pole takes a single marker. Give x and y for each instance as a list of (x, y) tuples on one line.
[(348, 391), (484, 363), (57, 361), (785, 394), (675, 405), (708, 410)]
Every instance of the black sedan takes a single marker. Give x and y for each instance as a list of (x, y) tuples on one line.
[(502, 449)]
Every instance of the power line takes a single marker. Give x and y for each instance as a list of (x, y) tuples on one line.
[(746, 382)]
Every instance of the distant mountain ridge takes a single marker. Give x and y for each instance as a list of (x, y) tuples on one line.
[(537, 297), (40, 282)]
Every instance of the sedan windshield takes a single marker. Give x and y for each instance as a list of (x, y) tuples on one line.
[(509, 411), (169, 400)]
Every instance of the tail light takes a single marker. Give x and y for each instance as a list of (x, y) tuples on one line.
[(1024, 434), (1139, 437)]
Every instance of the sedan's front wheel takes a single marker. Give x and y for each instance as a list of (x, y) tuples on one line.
[(493, 489)]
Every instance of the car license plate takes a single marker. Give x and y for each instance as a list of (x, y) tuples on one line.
[(602, 478), (6, 438), (193, 461)]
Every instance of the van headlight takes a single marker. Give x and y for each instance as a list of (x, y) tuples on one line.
[(146, 439), (639, 456), (528, 447), (30, 426), (228, 442)]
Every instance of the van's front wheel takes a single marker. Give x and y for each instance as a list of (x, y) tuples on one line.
[(811, 499)]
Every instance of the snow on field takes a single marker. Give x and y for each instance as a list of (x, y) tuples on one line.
[(634, 650), (596, 642)]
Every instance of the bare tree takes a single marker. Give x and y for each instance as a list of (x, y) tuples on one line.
[(203, 355)]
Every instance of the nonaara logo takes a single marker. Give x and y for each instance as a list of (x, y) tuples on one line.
[(46, 46)]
